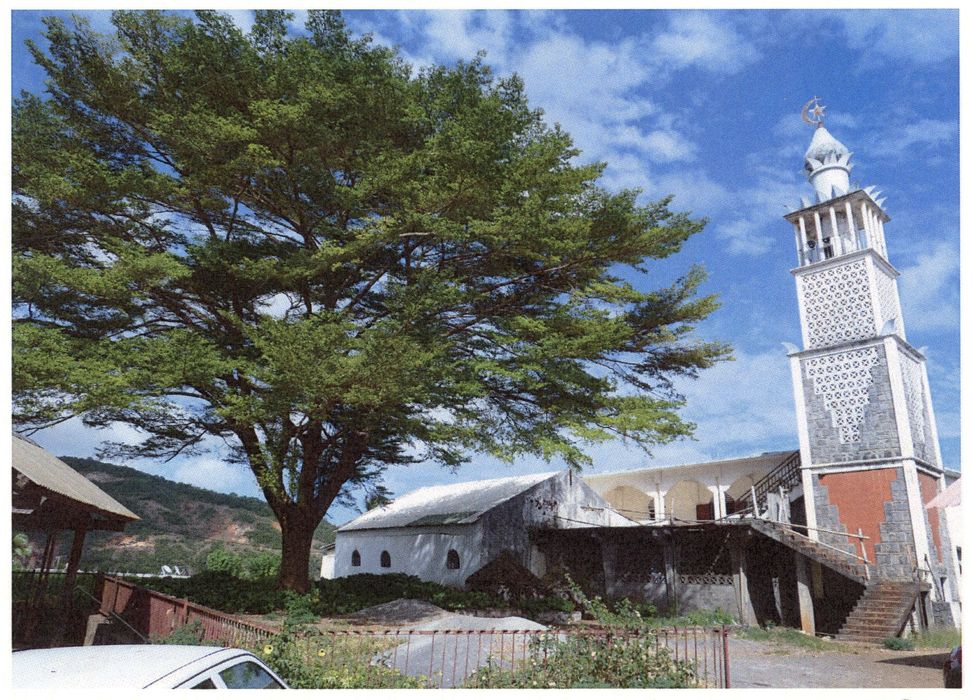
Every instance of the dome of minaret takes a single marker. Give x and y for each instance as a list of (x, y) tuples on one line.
[(824, 149), (827, 161)]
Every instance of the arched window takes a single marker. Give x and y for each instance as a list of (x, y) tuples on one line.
[(355, 558), (385, 560), (452, 559)]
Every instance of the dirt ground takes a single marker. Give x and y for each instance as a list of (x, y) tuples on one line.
[(771, 665)]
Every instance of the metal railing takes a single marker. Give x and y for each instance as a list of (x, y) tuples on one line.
[(786, 475), (485, 658), (156, 615)]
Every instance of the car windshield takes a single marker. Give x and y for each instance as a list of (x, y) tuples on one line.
[(248, 675)]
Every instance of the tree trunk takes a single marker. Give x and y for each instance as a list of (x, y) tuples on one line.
[(297, 531)]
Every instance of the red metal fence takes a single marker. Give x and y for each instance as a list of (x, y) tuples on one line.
[(153, 615)]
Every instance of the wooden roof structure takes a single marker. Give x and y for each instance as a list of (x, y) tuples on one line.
[(49, 495)]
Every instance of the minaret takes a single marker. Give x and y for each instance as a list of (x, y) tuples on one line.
[(868, 442)]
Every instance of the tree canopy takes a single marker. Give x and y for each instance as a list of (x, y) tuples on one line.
[(298, 245)]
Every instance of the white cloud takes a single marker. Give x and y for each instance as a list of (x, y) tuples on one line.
[(903, 140), (929, 289), (917, 36), (701, 40), (72, 439), (243, 19), (216, 474), (744, 404)]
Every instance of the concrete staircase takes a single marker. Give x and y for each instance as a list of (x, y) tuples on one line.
[(881, 612), (844, 564)]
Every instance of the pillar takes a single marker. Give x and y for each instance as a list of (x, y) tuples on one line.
[(835, 237), (851, 229), (820, 234), (807, 257), (740, 566), (804, 593), (865, 222)]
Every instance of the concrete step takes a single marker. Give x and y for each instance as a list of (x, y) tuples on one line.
[(875, 624), (862, 638)]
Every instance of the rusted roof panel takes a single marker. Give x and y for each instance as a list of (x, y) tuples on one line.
[(48, 472)]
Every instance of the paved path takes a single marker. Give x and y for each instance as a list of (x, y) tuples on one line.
[(772, 665), (449, 659)]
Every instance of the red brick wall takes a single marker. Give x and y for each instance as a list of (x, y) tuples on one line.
[(860, 498), (928, 486)]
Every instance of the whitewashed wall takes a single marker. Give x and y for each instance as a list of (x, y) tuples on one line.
[(327, 565), (418, 551)]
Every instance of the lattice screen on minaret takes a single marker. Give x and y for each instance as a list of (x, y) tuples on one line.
[(888, 300), (837, 305), (915, 396), (843, 380)]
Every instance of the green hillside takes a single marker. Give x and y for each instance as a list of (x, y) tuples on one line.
[(180, 524)]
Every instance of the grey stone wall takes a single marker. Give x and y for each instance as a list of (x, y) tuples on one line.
[(896, 550), (941, 614), (878, 433), (698, 596), (828, 518)]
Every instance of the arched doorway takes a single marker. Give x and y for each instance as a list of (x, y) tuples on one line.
[(690, 500), (737, 491), (631, 502)]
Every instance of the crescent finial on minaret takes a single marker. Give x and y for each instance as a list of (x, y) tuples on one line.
[(813, 116)]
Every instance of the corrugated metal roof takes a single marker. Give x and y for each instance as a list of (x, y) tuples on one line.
[(448, 503), (949, 498), (47, 471)]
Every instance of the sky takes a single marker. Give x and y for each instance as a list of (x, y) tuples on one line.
[(703, 105)]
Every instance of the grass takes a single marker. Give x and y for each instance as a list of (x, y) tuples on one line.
[(696, 618), (788, 637), (940, 638)]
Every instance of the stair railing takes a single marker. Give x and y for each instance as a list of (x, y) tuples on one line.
[(785, 475), (860, 536)]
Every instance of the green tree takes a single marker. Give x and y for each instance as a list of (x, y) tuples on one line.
[(220, 559), (296, 247), (377, 495), (21, 550)]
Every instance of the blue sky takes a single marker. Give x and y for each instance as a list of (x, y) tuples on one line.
[(705, 105)]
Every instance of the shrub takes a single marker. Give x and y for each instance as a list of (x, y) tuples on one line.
[(898, 644), (222, 591), (352, 593), (589, 662), (224, 561), (191, 633), (550, 603), (305, 659)]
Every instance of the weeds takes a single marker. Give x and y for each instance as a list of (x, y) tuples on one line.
[(590, 662), (938, 638), (789, 637), (898, 644)]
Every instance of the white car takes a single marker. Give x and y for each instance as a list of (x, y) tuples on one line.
[(141, 666)]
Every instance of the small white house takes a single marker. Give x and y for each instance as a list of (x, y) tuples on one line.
[(446, 533)]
